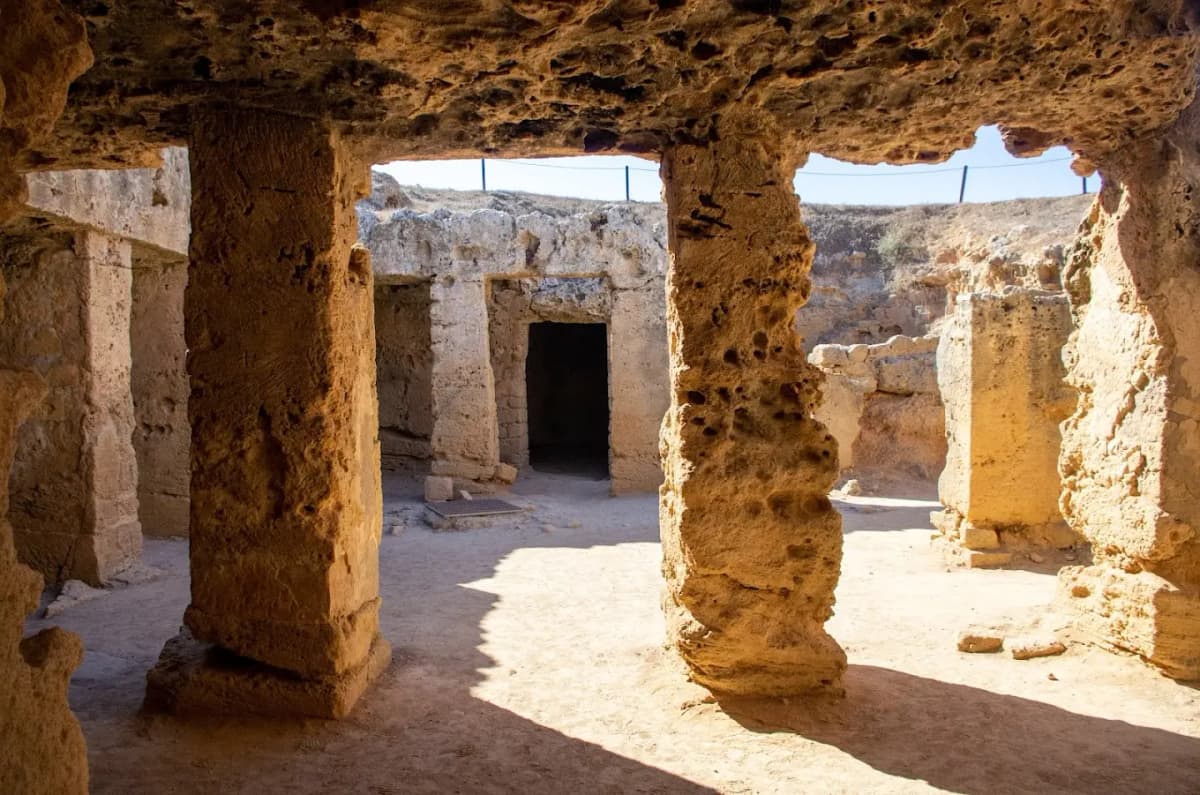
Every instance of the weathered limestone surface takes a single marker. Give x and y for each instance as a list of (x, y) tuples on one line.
[(881, 403), (43, 47), (74, 483), (162, 437), (491, 271), (638, 368), (1131, 451), (285, 492), (513, 305), (150, 206), (903, 81), (404, 366), (751, 543), (43, 747), (465, 440), (1001, 376), (880, 272)]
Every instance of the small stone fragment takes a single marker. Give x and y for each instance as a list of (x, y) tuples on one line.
[(973, 537), (979, 642), (506, 473), (1036, 646), (852, 488), (463, 494), (547, 528), (439, 488), (1036, 558)]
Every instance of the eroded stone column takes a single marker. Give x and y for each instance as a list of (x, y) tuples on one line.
[(465, 442), (1001, 376), (285, 493), (751, 544), (1130, 461), (75, 478)]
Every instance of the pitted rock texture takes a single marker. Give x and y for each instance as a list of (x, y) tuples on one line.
[(884, 271), (43, 747), (1131, 450), (751, 543), (863, 81), (43, 47)]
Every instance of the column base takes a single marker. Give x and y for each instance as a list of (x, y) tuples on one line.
[(759, 654), (966, 544), (1140, 613), (197, 678)]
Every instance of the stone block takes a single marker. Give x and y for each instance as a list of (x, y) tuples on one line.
[(1002, 380), (506, 473), (439, 488), (975, 537), (197, 678)]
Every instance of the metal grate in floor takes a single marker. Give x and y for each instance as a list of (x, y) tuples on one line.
[(460, 508)]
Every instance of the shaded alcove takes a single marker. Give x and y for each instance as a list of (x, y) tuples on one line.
[(566, 376), (404, 373)]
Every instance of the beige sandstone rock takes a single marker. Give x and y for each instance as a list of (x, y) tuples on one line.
[(439, 488), (1001, 376), (285, 492), (1131, 451), (1028, 648), (74, 483), (980, 642), (902, 81), (751, 543), (43, 747), (881, 403)]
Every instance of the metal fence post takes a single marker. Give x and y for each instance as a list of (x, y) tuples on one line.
[(483, 173), (626, 183), (962, 189)]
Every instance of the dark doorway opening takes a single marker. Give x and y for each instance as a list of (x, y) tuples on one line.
[(566, 383)]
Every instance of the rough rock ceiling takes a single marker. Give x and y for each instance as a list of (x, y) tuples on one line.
[(855, 79)]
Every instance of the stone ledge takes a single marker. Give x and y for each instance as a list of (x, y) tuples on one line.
[(1141, 613), (197, 678)]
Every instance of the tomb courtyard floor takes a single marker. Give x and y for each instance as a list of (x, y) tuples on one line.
[(529, 657)]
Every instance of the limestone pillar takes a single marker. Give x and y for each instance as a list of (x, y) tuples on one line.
[(75, 479), (637, 352), (751, 544), (466, 437), (1000, 373), (161, 438), (285, 493), (1131, 451)]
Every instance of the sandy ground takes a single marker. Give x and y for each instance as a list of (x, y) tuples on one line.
[(529, 657)]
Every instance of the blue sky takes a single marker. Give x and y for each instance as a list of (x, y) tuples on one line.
[(993, 175)]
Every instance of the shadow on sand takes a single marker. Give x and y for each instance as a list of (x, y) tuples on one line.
[(964, 739)]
